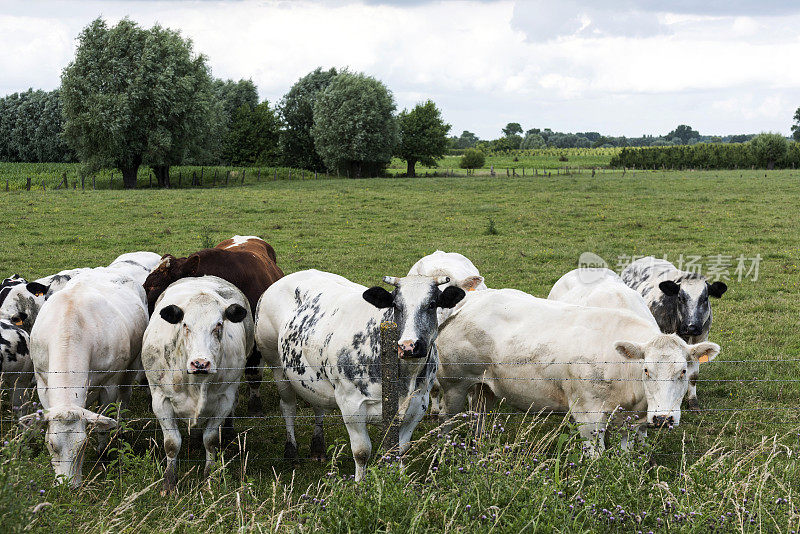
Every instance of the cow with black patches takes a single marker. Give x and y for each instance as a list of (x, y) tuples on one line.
[(85, 348), (21, 300), (16, 367), (679, 301), (321, 334), (194, 353)]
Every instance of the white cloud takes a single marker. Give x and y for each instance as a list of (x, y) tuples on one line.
[(621, 68)]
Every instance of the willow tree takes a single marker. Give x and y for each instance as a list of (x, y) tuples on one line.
[(423, 136), (134, 96)]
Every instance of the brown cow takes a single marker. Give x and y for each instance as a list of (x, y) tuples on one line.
[(248, 262)]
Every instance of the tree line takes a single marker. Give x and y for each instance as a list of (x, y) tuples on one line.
[(135, 96), (765, 151)]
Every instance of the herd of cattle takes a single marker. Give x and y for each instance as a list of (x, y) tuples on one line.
[(193, 327)]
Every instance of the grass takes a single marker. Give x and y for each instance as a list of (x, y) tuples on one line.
[(737, 459)]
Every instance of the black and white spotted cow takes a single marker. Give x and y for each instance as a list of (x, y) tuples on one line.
[(16, 366), (679, 303), (321, 334), (20, 300)]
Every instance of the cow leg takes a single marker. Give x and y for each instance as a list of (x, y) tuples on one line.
[(318, 449), (254, 375), (454, 397), (632, 435), (592, 428), (414, 414), (211, 440), (436, 393), (172, 439), (691, 394), (355, 419), (288, 410)]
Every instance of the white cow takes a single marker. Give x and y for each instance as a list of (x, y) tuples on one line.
[(546, 355), (601, 288), (137, 265), (85, 347), (194, 353), (321, 334), (16, 366), (462, 273)]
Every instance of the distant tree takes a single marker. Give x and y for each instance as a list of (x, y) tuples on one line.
[(512, 128), (253, 136), (423, 136), (354, 125), (233, 95), (472, 159), (769, 149), (134, 96), (533, 141), (511, 142), (533, 131), (466, 140), (31, 126), (297, 111), (741, 138), (684, 133), (796, 125)]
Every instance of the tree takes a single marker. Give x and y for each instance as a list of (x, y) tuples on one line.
[(297, 111), (512, 128), (533, 141), (684, 133), (134, 96), (472, 159), (253, 136), (467, 140), (354, 129), (796, 125), (769, 149), (423, 136), (30, 128)]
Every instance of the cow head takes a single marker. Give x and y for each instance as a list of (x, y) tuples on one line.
[(665, 362), (687, 298), (67, 430), (202, 323), (20, 301), (168, 271), (415, 301)]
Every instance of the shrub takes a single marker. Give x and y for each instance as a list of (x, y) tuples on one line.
[(472, 159)]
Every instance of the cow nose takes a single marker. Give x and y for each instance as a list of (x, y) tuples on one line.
[(693, 329), (199, 365), (405, 348), (663, 420)]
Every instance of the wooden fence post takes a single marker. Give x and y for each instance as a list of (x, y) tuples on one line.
[(390, 367), (6, 184), (28, 183), (258, 176), (315, 174), (93, 182), (180, 178), (243, 171), (276, 174), (227, 177)]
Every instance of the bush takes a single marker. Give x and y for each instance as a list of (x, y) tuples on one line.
[(769, 149), (768, 152), (472, 159)]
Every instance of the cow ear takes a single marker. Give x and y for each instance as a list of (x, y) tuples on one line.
[(32, 420), (166, 261), (191, 265), (37, 289), (717, 289), (378, 297), (450, 297), (703, 352), (172, 314), (630, 350), (669, 288), (100, 422), (471, 283), (235, 313)]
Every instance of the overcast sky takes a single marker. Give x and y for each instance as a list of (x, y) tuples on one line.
[(621, 67)]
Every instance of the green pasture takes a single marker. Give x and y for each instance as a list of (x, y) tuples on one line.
[(730, 468)]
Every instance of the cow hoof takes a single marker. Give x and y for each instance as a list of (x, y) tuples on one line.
[(290, 452), (693, 405), (254, 408), (318, 449)]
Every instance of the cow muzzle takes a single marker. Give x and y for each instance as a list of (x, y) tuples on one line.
[(199, 366), (661, 421), (408, 349), (691, 329)]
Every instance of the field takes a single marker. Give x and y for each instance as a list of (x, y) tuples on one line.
[(732, 467)]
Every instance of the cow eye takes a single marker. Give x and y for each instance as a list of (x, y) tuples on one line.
[(646, 372), (683, 373)]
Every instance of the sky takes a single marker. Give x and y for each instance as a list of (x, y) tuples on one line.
[(619, 67)]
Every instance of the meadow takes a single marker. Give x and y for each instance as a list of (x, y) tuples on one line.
[(731, 467)]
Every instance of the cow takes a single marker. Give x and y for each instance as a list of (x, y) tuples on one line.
[(601, 288), (85, 347), (16, 366), (193, 352), (544, 355), (248, 262), (462, 273), (679, 302), (321, 332), (21, 300)]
